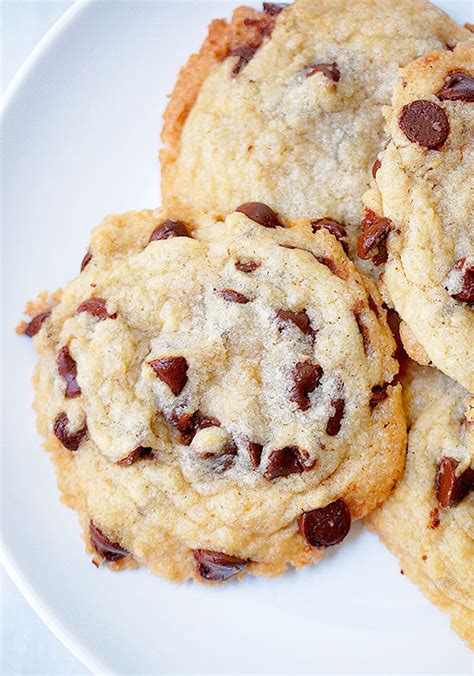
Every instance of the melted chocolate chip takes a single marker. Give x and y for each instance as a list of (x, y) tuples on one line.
[(248, 266), (286, 461), (458, 86), (274, 8), (172, 371), (255, 453), (135, 455), (330, 70), (69, 440), (188, 424), (260, 213), (466, 294), (36, 323), (112, 551), (373, 306), (452, 488), (220, 460), (372, 240), (363, 330), (334, 423), (233, 296), (379, 393), (95, 307), (326, 526), (375, 167), (329, 263), (169, 229), (425, 123), (86, 260), (68, 370), (245, 54), (334, 227), (434, 518), (299, 319), (305, 376), (216, 566)]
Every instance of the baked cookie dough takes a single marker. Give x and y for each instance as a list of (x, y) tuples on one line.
[(216, 395), (420, 217), (284, 106), (429, 520)]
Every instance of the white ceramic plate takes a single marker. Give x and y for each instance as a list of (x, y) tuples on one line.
[(80, 131)]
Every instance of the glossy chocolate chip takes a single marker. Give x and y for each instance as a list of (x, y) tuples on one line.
[(285, 461), (373, 238), (466, 292), (245, 54), (330, 70), (375, 167), (216, 566), (299, 319), (233, 296), (363, 329), (246, 266), (36, 323), (305, 378), (70, 440), (68, 370), (188, 424), (169, 229), (458, 86), (335, 228), (137, 454), (255, 453), (172, 371), (425, 123), (86, 260), (450, 487), (326, 526), (96, 307), (334, 423), (379, 393), (260, 213), (274, 8), (112, 551)]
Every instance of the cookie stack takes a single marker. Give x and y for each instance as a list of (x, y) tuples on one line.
[(220, 387)]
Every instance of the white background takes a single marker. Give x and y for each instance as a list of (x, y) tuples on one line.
[(27, 645)]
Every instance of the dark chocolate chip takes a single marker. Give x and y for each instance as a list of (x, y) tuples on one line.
[(334, 423), (458, 86), (425, 123), (96, 307), (373, 305), (255, 453), (112, 551), (36, 323), (245, 54), (169, 229), (375, 167), (363, 329), (69, 440), (233, 296), (466, 293), (286, 461), (274, 8), (299, 319), (335, 228), (326, 526), (135, 455), (188, 424), (450, 487), (68, 370), (330, 70), (86, 260), (372, 240), (305, 376), (379, 393), (216, 566), (260, 213), (172, 371), (248, 266)]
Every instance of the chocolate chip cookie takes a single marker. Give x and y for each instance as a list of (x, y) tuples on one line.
[(420, 218), (284, 106), (429, 520), (217, 397)]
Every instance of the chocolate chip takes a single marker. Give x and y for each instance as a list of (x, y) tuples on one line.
[(36, 323), (222, 459), (286, 461), (135, 455), (452, 488), (260, 213), (86, 260), (458, 86), (245, 54), (373, 306), (329, 263), (95, 307), (305, 376), (373, 238), (112, 551), (299, 319), (69, 440), (330, 70), (255, 453), (425, 123), (363, 330), (188, 424), (375, 167), (379, 393), (434, 519), (233, 296), (274, 8), (169, 229), (466, 292), (248, 266), (326, 526), (172, 371), (334, 227), (68, 370), (334, 423), (216, 566)]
